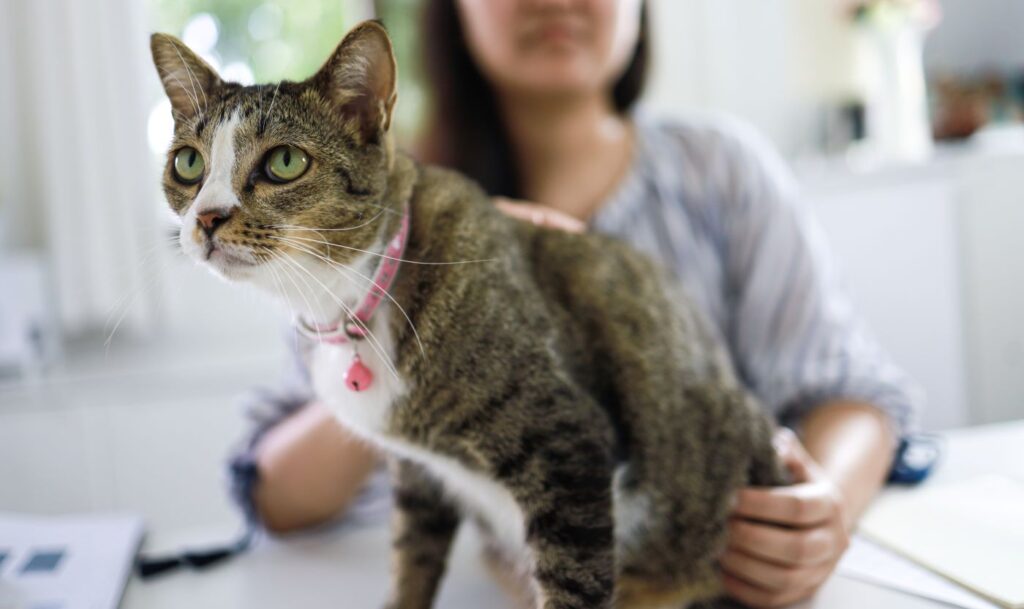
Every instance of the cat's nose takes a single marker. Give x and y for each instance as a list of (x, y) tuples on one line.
[(212, 220)]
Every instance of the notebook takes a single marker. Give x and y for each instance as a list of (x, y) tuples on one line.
[(971, 532), (66, 562), (867, 561)]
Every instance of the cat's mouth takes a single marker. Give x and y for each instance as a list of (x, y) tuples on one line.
[(221, 258)]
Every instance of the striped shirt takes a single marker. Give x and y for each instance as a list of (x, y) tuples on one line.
[(716, 205)]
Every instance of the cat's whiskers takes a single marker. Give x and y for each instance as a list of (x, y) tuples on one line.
[(193, 80), (383, 208), (347, 228), (302, 294), (375, 344), (270, 111), (145, 260), (270, 256), (259, 116), (178, 116), (140, 289), (342, 270), (194, 100), (356, 249)]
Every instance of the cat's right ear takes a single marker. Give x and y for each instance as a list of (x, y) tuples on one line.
[(188, 80), (360, 79)]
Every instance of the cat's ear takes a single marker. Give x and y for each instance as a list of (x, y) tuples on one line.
[(188, 80), (360, 78)]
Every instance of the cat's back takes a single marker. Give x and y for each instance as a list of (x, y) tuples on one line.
[(576, 276)]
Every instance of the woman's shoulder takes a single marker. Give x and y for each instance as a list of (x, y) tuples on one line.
[(707, 138), (718, 155)]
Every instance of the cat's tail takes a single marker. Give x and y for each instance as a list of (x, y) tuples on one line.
[(766, 468)]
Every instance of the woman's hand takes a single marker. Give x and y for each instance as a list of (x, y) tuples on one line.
[(541, 215), (785, 542)]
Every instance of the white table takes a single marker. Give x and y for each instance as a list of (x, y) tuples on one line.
[(349, 568)]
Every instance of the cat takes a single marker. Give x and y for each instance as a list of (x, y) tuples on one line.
[(558, 390)]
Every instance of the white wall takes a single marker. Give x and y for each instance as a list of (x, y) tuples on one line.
[(771, 63), (897, 241), (775, 63), (956, 44), (935, 261), (992, 224)]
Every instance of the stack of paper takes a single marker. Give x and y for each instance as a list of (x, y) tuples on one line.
[(871, 563), (970, 532), (66, 562)]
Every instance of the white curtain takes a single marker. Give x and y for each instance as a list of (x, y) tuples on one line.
[(77, 180)]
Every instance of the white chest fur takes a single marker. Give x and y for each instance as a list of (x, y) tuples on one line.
[(367, 414), (477, 494), (364, 412)]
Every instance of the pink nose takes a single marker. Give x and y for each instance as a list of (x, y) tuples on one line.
[(212, 220)]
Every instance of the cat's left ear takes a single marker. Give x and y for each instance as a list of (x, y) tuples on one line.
[(188, 80), (360, 79)]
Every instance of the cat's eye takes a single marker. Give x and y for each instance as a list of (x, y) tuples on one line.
[(188, 165), (285, 163)]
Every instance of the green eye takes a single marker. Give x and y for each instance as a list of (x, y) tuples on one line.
[(286, 163), (188, 165)]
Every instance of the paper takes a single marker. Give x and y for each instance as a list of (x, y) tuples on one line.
[(871, 563), (971, 532), (66, 562)]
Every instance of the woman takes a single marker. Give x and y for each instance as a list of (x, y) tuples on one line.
[(533, 98)]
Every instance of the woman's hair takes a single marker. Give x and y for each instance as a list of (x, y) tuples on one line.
[(464, 129)]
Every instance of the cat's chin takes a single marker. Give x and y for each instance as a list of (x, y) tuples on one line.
[(229, 267)]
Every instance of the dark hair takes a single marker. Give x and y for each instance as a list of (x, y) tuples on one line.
[(464, 129)]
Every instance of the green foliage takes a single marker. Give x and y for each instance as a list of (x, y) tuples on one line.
[(275, 38), (289, 40)]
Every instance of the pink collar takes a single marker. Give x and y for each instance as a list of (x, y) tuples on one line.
[(354, 327)]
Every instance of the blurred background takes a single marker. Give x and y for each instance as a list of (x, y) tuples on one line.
[(122, 363)]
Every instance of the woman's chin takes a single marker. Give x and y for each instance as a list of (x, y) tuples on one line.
[(555, 82)]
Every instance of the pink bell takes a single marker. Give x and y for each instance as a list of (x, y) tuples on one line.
[(358, 377)]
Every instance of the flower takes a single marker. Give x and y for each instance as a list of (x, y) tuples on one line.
[(924, 13)]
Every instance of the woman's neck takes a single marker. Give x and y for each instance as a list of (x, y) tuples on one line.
[(570, 152)]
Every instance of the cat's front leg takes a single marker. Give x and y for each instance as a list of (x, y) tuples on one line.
[(422, 532), (570, 527)]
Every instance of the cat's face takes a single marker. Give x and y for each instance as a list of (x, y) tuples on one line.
[(264, 177)]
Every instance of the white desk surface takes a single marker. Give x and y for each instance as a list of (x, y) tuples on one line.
[(349, 568)]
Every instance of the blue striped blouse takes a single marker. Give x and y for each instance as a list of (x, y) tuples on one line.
[(715, 204)]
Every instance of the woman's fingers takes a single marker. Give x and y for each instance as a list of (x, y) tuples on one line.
[(540, 215), (784, 542), (792, 454), (801, 505), (782, 546), (770, 576)]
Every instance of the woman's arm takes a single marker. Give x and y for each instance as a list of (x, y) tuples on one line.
[(310, 469), (785, 542), (811, 359), (854, 445)]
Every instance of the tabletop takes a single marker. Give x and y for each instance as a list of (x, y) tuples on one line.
[(348, 567)]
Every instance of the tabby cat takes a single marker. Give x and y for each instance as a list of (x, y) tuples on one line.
[(558, 390)]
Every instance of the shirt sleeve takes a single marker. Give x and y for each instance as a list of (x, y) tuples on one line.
[(797, 341)]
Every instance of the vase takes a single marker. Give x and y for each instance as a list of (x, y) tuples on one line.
[(890, 68)]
